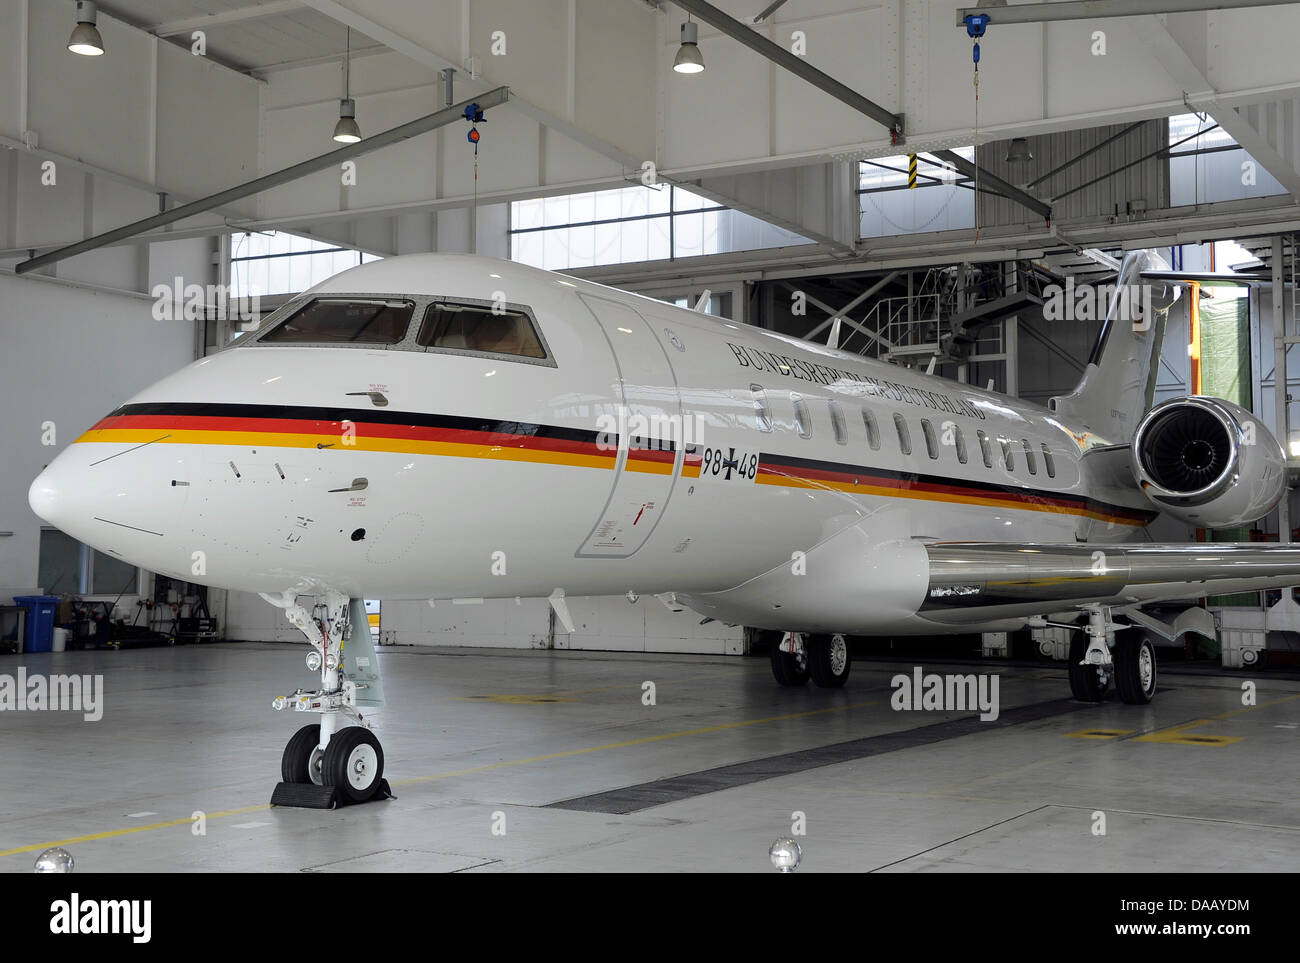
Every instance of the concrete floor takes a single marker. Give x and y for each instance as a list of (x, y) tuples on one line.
[(191, 729)]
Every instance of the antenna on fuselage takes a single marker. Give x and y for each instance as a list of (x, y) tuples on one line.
[(703, 303), (934, 360), (833, 339)]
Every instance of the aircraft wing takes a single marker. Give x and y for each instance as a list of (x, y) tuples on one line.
[(972, 582)]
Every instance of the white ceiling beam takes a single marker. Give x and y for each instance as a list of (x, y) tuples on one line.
[(270, 8), (1169, 53), (333, 58), (1257, 146), (422, 55), (1200, 95)]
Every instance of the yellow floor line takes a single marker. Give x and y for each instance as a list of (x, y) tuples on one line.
[(92, 837), (1178, 735), (112, 833), (1099, 733), (1262, 705)]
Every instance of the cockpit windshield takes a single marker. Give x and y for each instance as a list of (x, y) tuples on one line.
[(486, 328), (344, 320)]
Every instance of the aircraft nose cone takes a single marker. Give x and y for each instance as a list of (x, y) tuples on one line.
[(48, 497)]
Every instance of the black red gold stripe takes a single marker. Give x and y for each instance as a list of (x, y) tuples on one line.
[(426, 433), (362, 429), (807, 473)]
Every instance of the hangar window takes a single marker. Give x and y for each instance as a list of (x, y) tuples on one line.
[(633, 224), (802, 423), (959, 440), (1007, 458), (904, 436), (943, 199), (760, 407), (1205, 164), (266, 263), (873, 433), (837, 423), (480, 328), (931, 442), (344, 321), (986, 448), (1030, 462), (68, 567), (1048, 461)]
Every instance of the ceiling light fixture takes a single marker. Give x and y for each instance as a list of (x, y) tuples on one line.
[(85, 39), (1019, 152), (346, 130), (689, 60)]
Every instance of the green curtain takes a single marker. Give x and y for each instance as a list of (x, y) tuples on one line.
[(1225, 373)]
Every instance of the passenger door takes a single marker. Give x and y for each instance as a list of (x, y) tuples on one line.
[(649, 433)]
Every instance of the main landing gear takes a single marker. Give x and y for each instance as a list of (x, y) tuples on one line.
[(797, 657), (1097, 658), (327, 764)]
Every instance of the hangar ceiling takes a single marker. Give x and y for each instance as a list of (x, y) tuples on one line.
[(252, 37), (594, 98)]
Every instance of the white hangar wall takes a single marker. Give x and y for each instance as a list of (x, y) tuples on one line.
[(604, 623), (70, 352)]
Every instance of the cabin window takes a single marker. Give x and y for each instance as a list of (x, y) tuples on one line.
[(986, 448), (760, 407), (931, 442), (904, 436), (959, 440), (1048, 461), (344, 321), (1030, 462), (837, 423), (483, 328), (802, 423), (1007, 457), (873, 433)]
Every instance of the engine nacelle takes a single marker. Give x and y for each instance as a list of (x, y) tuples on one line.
[(1208, 462)]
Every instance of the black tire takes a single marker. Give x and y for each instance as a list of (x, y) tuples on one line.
[(293, 764), (828, 660), (348, 748), (1085, 685), (1135, 668), (787, 669)]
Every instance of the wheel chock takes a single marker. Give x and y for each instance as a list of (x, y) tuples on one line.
[(307, 795)]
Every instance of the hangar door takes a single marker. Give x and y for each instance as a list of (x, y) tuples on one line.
[(649, 433)]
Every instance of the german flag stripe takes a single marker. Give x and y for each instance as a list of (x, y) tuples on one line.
[(364, 430), (692, 463), (424, 433), (237, 417), (651, 461), (806, 473), (282, 431)]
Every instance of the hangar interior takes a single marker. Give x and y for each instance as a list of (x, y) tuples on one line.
[(745, 190)]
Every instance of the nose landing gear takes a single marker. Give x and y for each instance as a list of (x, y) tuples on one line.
[(325, 765)]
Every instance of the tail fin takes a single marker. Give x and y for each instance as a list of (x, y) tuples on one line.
[(1120, 380)]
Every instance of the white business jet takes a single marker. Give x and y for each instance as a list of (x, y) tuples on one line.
[(450, 427)]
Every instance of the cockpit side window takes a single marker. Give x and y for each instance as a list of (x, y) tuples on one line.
[(487, 329), (344, 321)]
